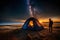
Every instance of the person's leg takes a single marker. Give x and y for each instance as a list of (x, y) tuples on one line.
[(49, 29)]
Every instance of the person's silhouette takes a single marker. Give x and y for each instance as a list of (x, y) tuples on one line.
[(50, 25)]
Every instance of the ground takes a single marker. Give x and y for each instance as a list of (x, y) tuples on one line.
[(20, 34)]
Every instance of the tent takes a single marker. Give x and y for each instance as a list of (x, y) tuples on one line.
[(32, 24)]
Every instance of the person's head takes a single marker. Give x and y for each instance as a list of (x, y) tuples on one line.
[(49, 19)]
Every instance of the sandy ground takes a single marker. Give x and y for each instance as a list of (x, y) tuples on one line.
[(19, 34)]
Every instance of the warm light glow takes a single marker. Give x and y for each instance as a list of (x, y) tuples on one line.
[(43, 20), (31, 23), (47, 19), (40, 21)]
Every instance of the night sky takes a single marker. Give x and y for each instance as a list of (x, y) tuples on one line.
[(17, 9)]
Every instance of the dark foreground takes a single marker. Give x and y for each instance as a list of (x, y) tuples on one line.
[(31, 35)]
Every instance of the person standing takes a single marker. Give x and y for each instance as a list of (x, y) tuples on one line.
[(50, 25)]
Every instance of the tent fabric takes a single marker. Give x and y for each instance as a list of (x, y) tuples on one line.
[(36, 24)]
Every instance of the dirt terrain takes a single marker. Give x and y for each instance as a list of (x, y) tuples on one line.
[(20, 34)]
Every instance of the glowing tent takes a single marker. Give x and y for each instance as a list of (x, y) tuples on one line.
[(32, 24)]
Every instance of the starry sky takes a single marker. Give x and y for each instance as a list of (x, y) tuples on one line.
[(17, 9)]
